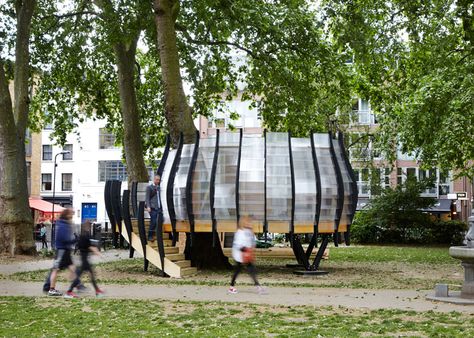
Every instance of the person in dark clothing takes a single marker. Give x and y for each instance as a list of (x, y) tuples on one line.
[(153, 205), (64, 241), (85, 247)]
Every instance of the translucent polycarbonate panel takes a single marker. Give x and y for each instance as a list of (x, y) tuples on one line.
[(225, 180), (305, 180), (328, 178), (202, 179), (346, 216), (165, 176), (278, 175), (180, 180), (251, 177)]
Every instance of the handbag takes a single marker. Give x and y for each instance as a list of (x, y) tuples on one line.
[(248, 255)]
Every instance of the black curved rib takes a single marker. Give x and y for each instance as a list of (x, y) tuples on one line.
[(127, 219), (355, 190), (109, 209), (237, 177), (293, 193), (115, 200), (166, 151), (340, 191), (142, 232), (317, 175), (212, 189), (134, 199), (169, 188), (189, 187)]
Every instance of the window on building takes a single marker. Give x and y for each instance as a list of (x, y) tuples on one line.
[(46, 182), (112, 170), (106, 139), (68, 156), (28, 141), (28, 176), (444, 183), (363, 182), (428, 174), (48, 126), (47, 152), (66, 182)]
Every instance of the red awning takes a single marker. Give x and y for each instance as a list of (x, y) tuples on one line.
[(44, 206)]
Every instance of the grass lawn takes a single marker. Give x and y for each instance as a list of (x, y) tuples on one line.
[(371, 267), (33, 317)]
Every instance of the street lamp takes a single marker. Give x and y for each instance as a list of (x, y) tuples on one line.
[(53, 235)]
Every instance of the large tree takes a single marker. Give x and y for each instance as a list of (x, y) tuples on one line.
[(415, 62), (16, 224), (276, 52)]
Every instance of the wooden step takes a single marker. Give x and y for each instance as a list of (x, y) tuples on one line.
[(183, 264), (168, 249), (188, 271), (175, 257)]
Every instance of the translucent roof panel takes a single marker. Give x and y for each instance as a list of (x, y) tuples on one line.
[(225, 179), (251, 177), (180, 180), (328, 178), (279, 197), (202, 178), (305, 180)]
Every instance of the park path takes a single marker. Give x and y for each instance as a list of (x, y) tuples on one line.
[(287, 296), (41, 264)]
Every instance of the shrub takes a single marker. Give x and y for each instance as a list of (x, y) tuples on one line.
[(396, 217)]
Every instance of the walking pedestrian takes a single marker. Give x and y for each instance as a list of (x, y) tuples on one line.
[(85, 248), (64, 240), (243, 253)]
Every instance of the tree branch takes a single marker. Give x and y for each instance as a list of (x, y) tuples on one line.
[(214, 42), (68, 15)]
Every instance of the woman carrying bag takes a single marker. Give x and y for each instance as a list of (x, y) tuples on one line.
[(243, 252)]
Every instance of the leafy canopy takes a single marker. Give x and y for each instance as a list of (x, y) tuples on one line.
[(415, 61)]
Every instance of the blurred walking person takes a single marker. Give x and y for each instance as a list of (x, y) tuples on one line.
[(243, 253), (63, 242), (85, 247)]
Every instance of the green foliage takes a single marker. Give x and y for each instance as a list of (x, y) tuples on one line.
[(415, 61), (274, 54), (395, 216)]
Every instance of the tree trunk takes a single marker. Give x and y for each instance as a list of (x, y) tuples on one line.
[(177, 111), (132, 142), (179, 118), (16, 224)]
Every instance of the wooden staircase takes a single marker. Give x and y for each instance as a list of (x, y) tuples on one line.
[(175, 264)]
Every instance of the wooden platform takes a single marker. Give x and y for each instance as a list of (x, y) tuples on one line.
[(273, 227)]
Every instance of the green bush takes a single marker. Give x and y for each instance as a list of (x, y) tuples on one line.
[(365, 231), (396, 217)]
